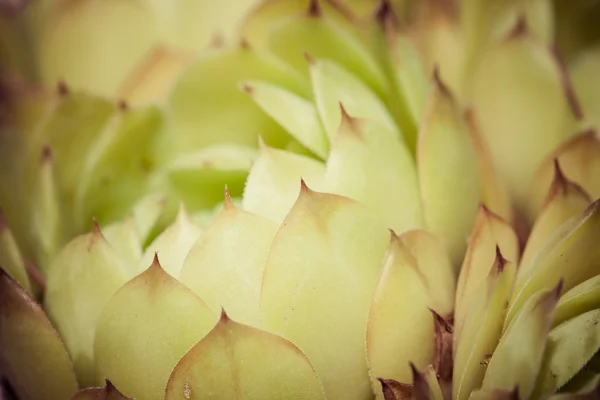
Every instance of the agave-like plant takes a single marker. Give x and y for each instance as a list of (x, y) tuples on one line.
[(300, 290)]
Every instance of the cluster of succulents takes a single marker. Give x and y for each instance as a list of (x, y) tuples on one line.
[(341, 200)]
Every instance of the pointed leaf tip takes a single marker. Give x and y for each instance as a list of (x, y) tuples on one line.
[(439, 83), (314, 9), (156, 262), (500, 262), (123, 106), (62, 88), (245, 44), (384, 13), (224, 317), (520, 29), (46, 154), (309, 58), (394, 390), (568, 88), (443, 346), (96, 230), (227, 202), (303, 187)]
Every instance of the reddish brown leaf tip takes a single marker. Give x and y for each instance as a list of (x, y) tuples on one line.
[(96, 228), (384, 12), (46, 154), (500, 262), (520, 29), (303, 187), (224, 317), (558, 288), (309, 58), (248, 89), (443, 346), (156, 261), (123, 106), (62, 88), (245, 44), (314, 9), (420, 386), (394, 390), (439, 83)]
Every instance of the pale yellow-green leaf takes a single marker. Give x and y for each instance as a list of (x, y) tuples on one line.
[(368, 163), (399, 309), (517, 359), (570, 346), (144, 330), (582, 298), (481, 329), (521, 109), (448, 171), (318, 282), (81, 280), (199, 178), (297, 115), (173, 244), (334, 85), (564, 200), (274, 182), (225, 266), (571, 254), (488, 232), (236, 361), (206, 106)]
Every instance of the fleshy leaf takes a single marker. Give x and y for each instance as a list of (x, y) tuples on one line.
[(394, 390), (81, 279), (108, 392), (46, 215), (401, 295), (369, 164), (272, 186), (583, 72), (210, 169), (120, 160), (145, 328), (173, 244), (582, 298), (495, 394), (10, 257), (489, 232), (235, 361), (517, 359), (33, 358), (297, 115), (434, 267), (565, 200), (152, 78), (333, 85), (318, 282), (571, 254), (65, 52), (314, 33), (225, 266), (447, 165), (579, 160), (521, 108), (227, 115), (570, 346), (124, 238), (425, 384), (494, 194), (482, 328)]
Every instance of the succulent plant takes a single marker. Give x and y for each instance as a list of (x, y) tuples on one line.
[(398, 221)]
